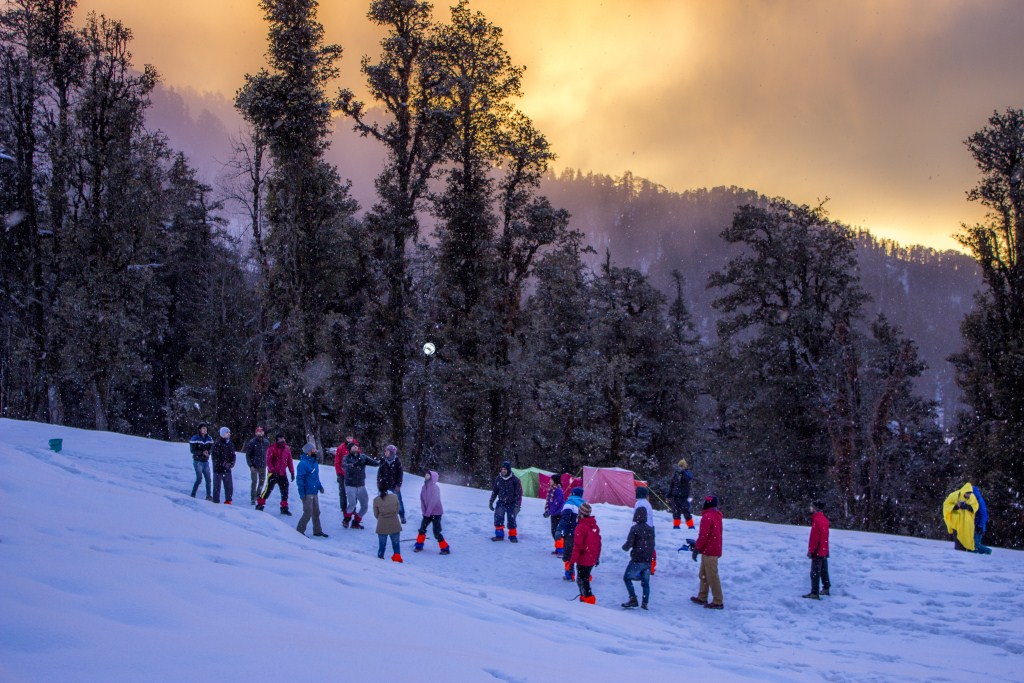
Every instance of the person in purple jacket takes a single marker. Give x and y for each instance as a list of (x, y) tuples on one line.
[(553, 510), (430, 502)]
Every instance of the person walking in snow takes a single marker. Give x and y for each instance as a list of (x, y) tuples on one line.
[(307, 481), (553, 511), (390, 474), (959, 511), (355, 486), (640, 544), (279, 465), (817, 552), (508, 492), (586, 552), (340, 453), (709, 545), (256, 459), (223, 456), (679, 495), (644, 502), (385, 509), (980, 522), (430, 505), (201, 444), (567, 529)]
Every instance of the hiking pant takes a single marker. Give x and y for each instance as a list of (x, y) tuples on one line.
[(258, 477), (279, 480), (980, 547), (382, 541), (342, 493), (310, 508), (229, 486), (435, 522), (819, 573), (680, 508), (401, 506), (501, 511), (202, 468), (709, 578), (555, 519), (638, 571), (353, 495), (583, 580)]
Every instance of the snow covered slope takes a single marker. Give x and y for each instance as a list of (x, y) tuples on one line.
[(111, 572)]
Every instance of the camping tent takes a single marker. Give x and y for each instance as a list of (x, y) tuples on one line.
[(568, 483), (609, 485), (528, 477)]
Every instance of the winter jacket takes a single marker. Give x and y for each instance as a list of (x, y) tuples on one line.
[(709, 539), (389, 474), (355, 469), (340, 453), (586, 548), (430, 496), (256, 452), (570, 515), (958, 510), (199, 443), (307, 476), (223, 456), (555, 501), (279, 460), (645, 504), (817, 546), (386, 511), (981, 516), (679, 487), (640, 542), (508, 491)]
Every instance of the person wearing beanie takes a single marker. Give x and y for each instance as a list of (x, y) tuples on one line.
[(586, 552), (817, 551), (339, 471), (307, 481), (355, 486), (256, 459), (567, 528), (279, 464), (385, 509), (679, 495), (223, 456), (430, 504), (709, 545), (390, 474), (508, 492), (553, 511), (201, 444), (640, 544), (643, 501)]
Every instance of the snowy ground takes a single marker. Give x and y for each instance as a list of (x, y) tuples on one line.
[(111, 572)]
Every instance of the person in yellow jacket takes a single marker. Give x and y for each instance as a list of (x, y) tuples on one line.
[(958, 511)]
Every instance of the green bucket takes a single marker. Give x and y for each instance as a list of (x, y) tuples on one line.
[(56, 445)]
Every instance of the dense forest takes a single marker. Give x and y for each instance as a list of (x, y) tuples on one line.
[(577, 319)]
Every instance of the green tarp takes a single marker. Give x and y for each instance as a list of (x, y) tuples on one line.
[(528, 477)]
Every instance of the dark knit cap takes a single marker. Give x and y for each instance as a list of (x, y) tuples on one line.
[(710, 502)]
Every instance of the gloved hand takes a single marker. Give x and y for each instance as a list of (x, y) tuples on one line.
[(491, 505), (517, 510), (546, 514), (810, 556), (322, 490), (293, 476), (694, 554), (598, 563)]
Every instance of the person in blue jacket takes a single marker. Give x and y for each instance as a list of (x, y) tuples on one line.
[(567, 528), (980, 522), (307, 479)]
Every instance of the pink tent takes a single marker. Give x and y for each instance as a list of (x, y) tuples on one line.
[(609, 485), (568, 483)]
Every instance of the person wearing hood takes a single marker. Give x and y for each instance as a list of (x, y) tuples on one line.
[(201, 444), (679, 495), (307, 481), (640, 544), (389, 476), (223, 456), (430, 504), (980, 522), (256, 459), (279, 465), (959, 511), (567, 528), (709, 545), (817, 552), (508, 491), (355, 486), (586, 552), (553, 511), (643, 501)]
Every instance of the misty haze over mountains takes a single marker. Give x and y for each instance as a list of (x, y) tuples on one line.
[(645, 226)]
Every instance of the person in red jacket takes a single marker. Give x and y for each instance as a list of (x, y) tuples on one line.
[(586, 552), (709, 545), (817, 551), (279, 464)]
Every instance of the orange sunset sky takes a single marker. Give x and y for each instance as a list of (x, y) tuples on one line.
[(865, 102)]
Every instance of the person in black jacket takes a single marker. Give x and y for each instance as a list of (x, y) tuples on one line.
[(389, 477), (355, 485), (256, 459), (679, 495), (223, 460), (508, 491), (201, 444), (640, 544)]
